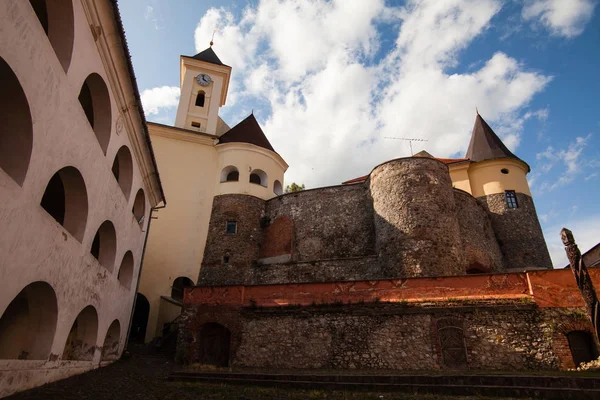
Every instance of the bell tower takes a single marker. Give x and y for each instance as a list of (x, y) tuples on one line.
[(204, 81)]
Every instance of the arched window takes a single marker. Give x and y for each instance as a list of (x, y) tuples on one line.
[(65, 199), (139, 207), (104, 246), (16, 127), (277, 188), (259, 177), (126, 270), (110, 349), (178, 285), (230, 174), (213, 344), (122, 169), (582, 347), (139, 321), (81, 342), (28, 324), (56, 18), (95, 101), (200, 99)]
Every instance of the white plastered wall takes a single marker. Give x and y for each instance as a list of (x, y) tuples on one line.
[(34, 246)]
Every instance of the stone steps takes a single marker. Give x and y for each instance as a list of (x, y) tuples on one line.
[(551, 387)]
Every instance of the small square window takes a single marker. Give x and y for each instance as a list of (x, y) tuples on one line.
[(196, 124), (226, 259), (231, 227), (511, 199)]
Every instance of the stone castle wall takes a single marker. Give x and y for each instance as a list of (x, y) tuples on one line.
[(480, 248), (242, 248), (518, 231), (501, 336), (415, 218), (331, 222)]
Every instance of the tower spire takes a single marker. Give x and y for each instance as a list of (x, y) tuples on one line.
[(212, 39)]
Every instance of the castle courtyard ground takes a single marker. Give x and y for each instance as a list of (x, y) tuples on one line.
[(144, 377)]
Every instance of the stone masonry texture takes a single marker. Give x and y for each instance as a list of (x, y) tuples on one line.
[(480, 248), (496, 336), (415, 218), (518, 231)]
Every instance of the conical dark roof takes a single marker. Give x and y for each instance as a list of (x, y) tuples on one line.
[(247, 131), (485, 144), (208, 55)]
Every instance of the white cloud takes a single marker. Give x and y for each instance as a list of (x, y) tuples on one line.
[(156, 99), (562, 17), (585, 230), (569, 158), (151, 16), (330, 105), (591, 176)]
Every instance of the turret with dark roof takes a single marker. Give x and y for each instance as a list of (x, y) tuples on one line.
[(486, 145), (247, 131), (208, 56)]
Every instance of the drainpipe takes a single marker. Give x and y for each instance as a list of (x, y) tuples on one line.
[(137, 286)]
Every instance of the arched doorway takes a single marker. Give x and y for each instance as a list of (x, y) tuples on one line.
[(179, 284), (81, 342), (582, 347), (213, 342), (139, 322)]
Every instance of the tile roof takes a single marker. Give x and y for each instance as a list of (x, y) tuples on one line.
[(485, 144), (209, 56), (444, 160), (247, 131)]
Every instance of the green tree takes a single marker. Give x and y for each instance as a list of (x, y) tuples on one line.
[(294, 188)]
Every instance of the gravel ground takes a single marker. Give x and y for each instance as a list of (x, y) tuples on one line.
[(144, 377)]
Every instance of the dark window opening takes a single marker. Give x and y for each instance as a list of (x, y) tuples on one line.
[(233, 176), (475, 271), (53, 200), (196, 124), (511, 199), (39, 6), (200, 100), (254, 178), (178, 287), (504, 171), (226, 259), (96, 246), (582, 347), (115, 168), (231, 227), (85, 98)]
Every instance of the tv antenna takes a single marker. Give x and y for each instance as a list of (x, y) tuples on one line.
[(409, 140)]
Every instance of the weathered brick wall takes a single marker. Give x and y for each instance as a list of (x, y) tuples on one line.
[(507, 336), (480, 248), (518, 231), (241, 247), (415, 218), (331, 222)]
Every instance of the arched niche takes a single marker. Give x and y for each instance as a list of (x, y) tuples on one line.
[(110, 349), (277, 188), (452, 343), (104, 246), (28, 324), (259, 177), (200, 98), (126, 270), (179, 284), (65, 199), (122, 170), (230, 174), (81, 342), (56, 18), (95, 101), (582, 346), (139, 207), (16, 128)]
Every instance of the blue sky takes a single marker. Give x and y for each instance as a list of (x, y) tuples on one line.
[(329, 80)]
